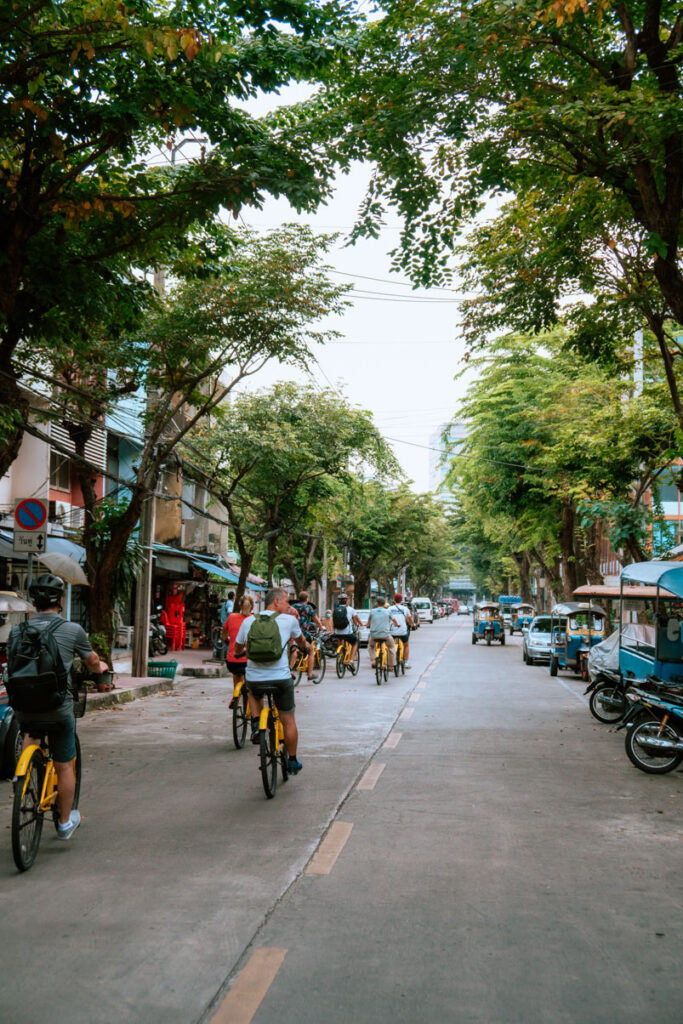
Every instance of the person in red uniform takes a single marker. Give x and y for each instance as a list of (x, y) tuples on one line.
[(236, 666)]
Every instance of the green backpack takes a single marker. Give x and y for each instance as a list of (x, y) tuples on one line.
[(264, 642)]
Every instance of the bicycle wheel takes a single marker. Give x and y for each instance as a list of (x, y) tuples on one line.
[(341, 661), (403, 666), (268, 757), (319, 666), (240, 719), (27, 820), (385, 672), (378, 666)]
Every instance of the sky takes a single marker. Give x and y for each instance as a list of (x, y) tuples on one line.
[(399, 349)]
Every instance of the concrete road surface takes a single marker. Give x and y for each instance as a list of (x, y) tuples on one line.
[(464, 844)]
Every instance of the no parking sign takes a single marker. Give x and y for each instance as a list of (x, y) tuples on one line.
[(30, 525)]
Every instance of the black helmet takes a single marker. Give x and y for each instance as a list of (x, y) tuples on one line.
[(47, 589)]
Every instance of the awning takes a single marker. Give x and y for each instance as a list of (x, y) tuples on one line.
[(216, 570), (172, 563)]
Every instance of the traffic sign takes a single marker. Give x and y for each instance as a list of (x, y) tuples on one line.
[(30, 525)]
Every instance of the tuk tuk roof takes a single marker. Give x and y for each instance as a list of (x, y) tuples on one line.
[(522, 604), (570, 607), (488, 604), (657, 574), (614, 593)]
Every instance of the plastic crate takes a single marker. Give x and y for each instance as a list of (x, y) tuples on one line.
[(165, 669)]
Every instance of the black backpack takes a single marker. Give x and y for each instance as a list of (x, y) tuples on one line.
[(340, 616), (36, 678)]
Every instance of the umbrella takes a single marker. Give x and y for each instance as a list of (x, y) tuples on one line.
[(64, 566), (11, 602)]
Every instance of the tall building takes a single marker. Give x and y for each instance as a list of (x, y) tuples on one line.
[(449, 437)]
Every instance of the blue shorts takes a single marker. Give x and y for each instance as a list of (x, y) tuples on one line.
[(61, 734)]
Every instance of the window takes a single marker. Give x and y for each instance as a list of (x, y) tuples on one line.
[(60, 471)]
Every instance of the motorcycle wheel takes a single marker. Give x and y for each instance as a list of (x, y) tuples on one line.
[(651, 763), (474, 639), (488, 641), (606, 694), (502, 639)]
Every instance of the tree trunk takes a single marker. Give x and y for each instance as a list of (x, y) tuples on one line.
[(567, 546), (360, 587)]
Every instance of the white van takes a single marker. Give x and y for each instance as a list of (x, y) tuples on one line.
[(424, 609)]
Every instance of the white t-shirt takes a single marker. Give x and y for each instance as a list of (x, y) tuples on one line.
[(348, 629), (270, 671), (400, 613)]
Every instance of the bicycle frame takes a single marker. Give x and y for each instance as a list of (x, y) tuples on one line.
[(48, 793)]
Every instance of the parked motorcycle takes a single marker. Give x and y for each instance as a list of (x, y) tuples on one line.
[(654, 727), (157, 634), (607, 701)]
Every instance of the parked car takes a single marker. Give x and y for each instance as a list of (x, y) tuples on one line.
[(363, 631), (463, 609), (536, 643), (10, 737)]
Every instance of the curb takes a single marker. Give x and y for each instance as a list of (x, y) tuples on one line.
[(126, 694)]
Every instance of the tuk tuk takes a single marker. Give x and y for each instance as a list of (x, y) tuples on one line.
[(650, 642), (521, 616), (488, 623), (575, 627)]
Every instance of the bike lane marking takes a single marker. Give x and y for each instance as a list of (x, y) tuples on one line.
[(421, 685), (250, 987), (325, 857), (414, 698), (406, 714), (392, 740), (370, 777)]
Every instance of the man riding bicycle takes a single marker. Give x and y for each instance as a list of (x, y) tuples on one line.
[(47, 594), (308, 619), (344, 618), (401, 624)]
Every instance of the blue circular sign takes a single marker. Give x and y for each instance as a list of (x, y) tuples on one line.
[(31, 514)]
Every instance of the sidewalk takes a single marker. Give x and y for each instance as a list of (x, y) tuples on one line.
[(190, 664)]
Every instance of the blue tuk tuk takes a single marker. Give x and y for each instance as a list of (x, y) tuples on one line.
[(488, 623), (521, 616), (650, 641), (575, 627)]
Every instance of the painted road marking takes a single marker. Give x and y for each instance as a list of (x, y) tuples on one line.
[(421, 685), (332, 845), (406, 714), (393, 740), (369, 780), (414, 698), (573, 692), (250, 986)]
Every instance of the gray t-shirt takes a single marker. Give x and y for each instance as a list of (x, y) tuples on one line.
[(379, 623), (70, 638), (271, 671)]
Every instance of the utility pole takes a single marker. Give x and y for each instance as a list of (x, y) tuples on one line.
[(144, 588)]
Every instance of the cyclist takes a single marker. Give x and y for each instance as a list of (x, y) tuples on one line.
[(47, 594), (401, 613), (344, 613), (275, 672), (380, 624), (231, 627), (308, 618)]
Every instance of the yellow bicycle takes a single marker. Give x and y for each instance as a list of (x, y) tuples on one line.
[(400, 662), (35, 794), (346, 659), (272, 744), (319, 663), (381, 661)]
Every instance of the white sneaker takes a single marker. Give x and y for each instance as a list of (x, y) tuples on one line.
[(406, 665), (66, 831)]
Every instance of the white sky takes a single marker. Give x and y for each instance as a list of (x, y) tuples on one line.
[(400, 348)]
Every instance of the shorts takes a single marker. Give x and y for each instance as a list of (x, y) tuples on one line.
[(283, 696), (237, 668), (61, 734), (401, 636), (351, 637)]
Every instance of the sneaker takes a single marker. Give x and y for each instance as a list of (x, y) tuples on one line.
[(294, 766), (256, 736), (406, 665), (66, 831)]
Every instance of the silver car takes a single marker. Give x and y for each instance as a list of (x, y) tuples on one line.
[(536, 643), (363, 631)]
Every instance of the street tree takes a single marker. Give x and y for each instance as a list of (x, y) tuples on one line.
[(201, 339), (272, 458), (559, 452), (97, 100), (454, 103)]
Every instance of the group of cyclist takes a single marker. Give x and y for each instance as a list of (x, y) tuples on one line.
[(296, 622)]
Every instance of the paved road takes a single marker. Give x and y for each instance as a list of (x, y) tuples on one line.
[(507, 864)]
